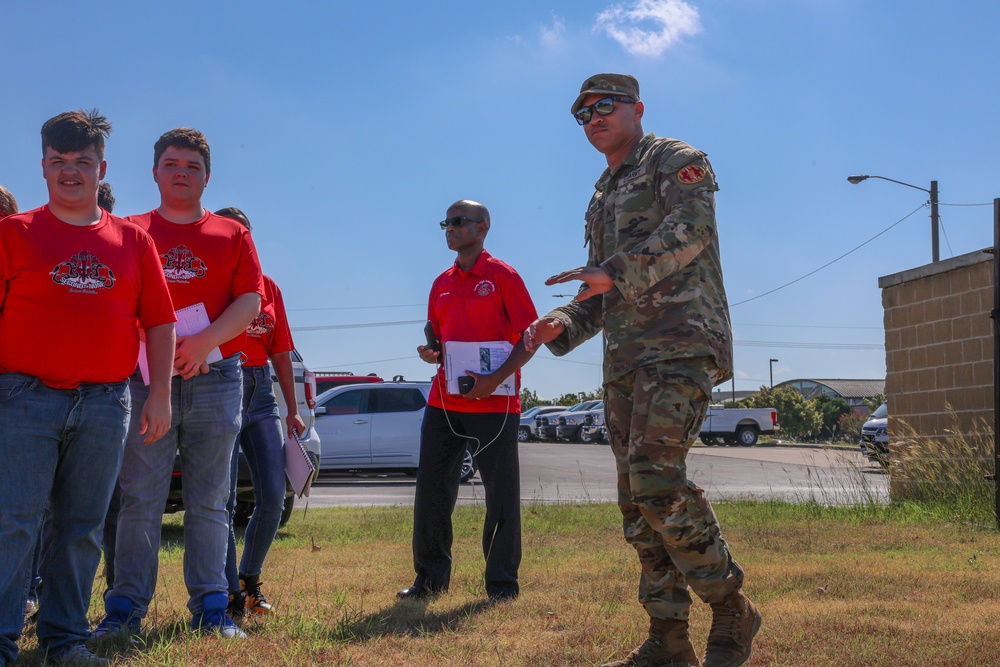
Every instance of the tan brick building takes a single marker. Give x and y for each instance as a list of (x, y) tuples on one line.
[(939, 350)]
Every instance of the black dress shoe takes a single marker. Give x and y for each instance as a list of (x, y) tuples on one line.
[(416, 592), (503, 595)]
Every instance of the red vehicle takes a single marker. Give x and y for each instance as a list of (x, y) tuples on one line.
[(328, 379)]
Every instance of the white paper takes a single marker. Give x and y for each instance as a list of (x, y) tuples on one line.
[(483, 357), (190, 320)]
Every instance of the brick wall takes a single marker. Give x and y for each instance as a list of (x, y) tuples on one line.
[(939, 351)]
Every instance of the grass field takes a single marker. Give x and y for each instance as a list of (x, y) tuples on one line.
[(909, 584)]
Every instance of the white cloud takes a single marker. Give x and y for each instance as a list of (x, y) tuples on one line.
[(552, 35), (649, 27)]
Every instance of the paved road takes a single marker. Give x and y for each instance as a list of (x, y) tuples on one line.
[(552, 473)]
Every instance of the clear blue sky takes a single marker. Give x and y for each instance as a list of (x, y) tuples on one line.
[(345, 130)]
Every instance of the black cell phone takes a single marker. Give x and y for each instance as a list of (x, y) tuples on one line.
[(432, 341), (465, 384)]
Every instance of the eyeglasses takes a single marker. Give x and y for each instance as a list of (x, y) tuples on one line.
[(457, 221), (603, 107)]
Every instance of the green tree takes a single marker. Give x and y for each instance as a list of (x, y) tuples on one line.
[(797, 417), (830, 409), (580, 396), (850, 426), (874, 402), (530, 399)]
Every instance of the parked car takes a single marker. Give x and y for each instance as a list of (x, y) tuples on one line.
[(545, 425), (528, 419), (375, 427), (875, 436), (594, 429), (570, 424), (305, 398)]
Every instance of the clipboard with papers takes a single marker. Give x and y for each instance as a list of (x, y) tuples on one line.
[(478, 357), (190, 320), (299, 467)]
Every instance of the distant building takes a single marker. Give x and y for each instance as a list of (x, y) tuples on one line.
[(720, 395), (853, 391)]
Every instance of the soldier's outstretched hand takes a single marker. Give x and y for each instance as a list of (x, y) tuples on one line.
[(597, 279)]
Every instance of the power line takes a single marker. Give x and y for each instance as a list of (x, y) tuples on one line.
[(814, 346), (754, 298), (362, 325), (804, 326), (401, 305)]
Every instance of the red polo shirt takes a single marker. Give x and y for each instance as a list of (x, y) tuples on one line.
[(487, 302)]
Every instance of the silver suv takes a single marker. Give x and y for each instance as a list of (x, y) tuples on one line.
[(875, 436), (524, 433), (375, 427)]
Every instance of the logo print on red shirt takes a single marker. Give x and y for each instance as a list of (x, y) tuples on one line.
[(180, 265), (262, 325), (83, 271), (485, 288)]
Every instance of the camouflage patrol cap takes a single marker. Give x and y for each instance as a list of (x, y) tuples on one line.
[(611, 84)]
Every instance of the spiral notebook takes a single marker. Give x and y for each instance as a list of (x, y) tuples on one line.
[(299, 467)]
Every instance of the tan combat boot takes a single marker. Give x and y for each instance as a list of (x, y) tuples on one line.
[(668, 645), (735, 621)]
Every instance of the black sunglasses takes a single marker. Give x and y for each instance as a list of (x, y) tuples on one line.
[(457, 221), (603, 107)]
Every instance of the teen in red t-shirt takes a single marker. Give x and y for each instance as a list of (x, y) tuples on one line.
[(74, 281), (211, 260), (478, 299), (268, 337)]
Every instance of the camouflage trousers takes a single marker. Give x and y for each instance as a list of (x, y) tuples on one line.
[(653, 415)]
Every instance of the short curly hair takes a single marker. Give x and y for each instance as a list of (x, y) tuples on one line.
[(183, 137), (76, 131), (8, 205)]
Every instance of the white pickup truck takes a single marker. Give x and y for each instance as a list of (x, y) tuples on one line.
[(737, 426)]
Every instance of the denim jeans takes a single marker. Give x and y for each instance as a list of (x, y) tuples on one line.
[(263, 445), (205, 421), (61, 449)]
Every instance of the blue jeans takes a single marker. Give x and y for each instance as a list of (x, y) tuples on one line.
[(264, 447), (205, 421), (61, 449)]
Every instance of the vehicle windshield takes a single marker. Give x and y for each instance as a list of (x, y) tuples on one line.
[(881, 412), (530, 412)]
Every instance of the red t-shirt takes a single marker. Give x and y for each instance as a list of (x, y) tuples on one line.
[(211, 261), (487, 302), (71, 296), (268, 333)]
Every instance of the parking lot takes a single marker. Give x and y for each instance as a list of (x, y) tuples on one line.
[(573, 473)]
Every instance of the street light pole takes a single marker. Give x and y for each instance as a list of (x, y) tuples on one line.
[(773, 362), (933, 192)]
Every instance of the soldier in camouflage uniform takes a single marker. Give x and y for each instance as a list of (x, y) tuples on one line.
[(653, 283)]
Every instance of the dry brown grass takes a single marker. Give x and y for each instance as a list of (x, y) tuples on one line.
[(836, 586)]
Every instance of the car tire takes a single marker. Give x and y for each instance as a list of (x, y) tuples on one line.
[(286, 513), (587, 438), (468, 467), (242, 513), (523, 434), (747, 436)]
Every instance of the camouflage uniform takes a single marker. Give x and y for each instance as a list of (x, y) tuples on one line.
[(668, 341)]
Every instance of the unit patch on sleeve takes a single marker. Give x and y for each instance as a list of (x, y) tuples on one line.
[(691, 174)]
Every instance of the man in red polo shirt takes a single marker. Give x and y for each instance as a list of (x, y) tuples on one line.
[(478, 299)]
